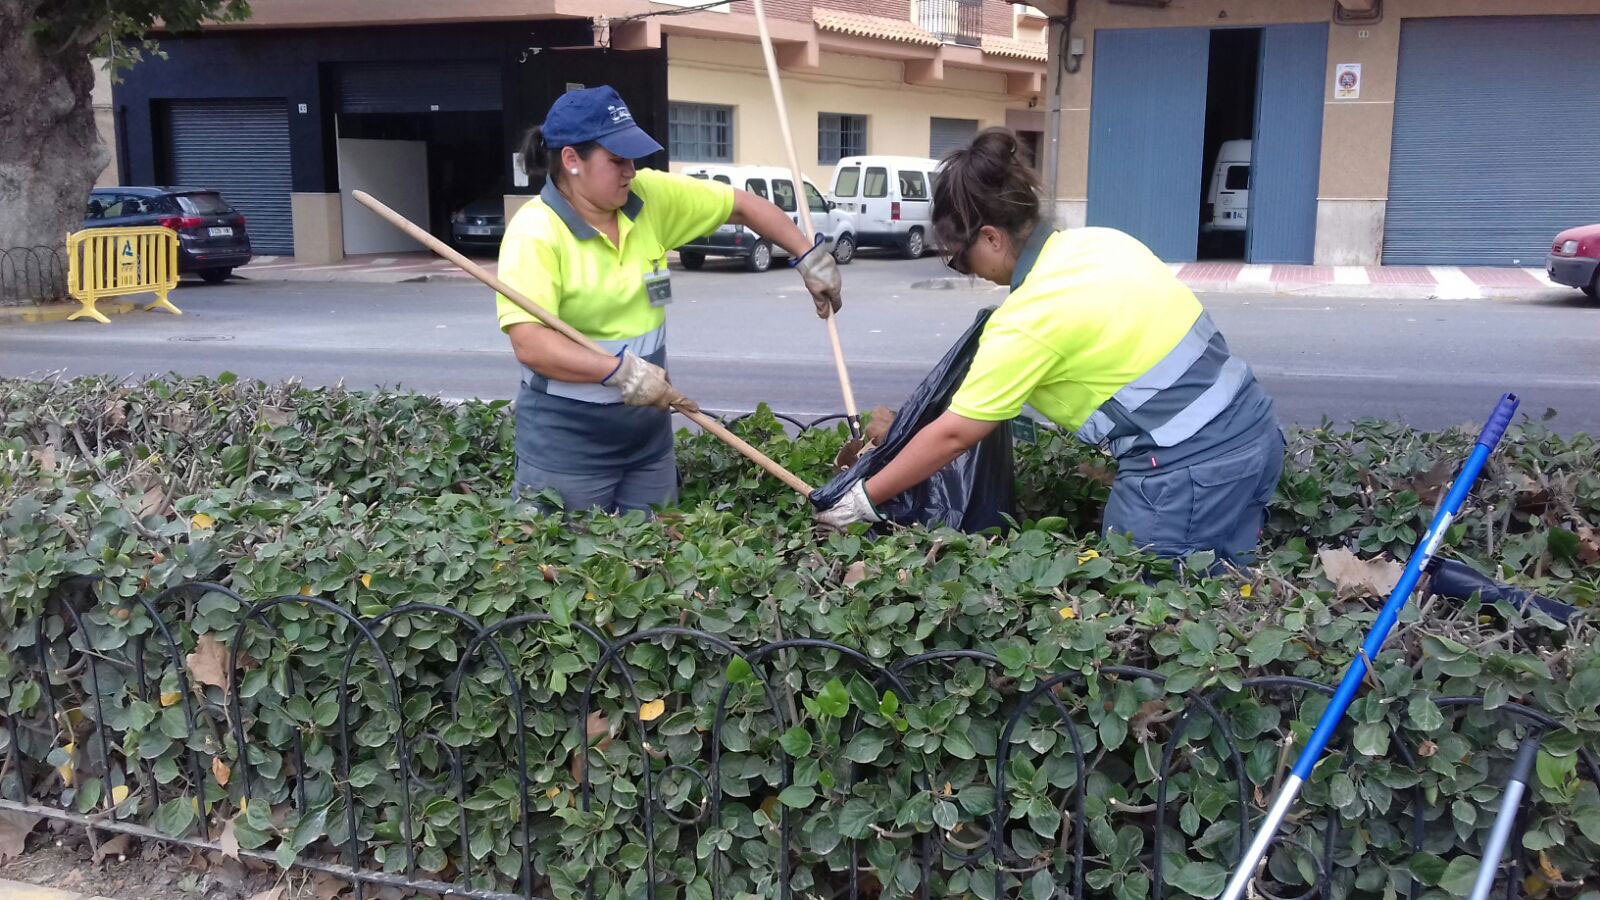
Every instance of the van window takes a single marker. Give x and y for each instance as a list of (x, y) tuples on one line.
[(877, 183), (913, 186), (1238, 178), (757, 186), (722, 178), (814, 200), (783, 194), (848, 180)]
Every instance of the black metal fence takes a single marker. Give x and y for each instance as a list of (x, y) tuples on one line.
[(952, 21), (87, 675), (32, 274)]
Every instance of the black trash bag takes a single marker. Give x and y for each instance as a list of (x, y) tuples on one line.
[(975, 492)]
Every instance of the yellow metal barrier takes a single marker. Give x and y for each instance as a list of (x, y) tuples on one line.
[(112, 262)]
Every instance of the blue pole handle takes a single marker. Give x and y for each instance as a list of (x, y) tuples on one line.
[(1495, 428)]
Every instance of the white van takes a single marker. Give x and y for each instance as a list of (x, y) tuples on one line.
[(891, 198), (1228, 199), (776, 184)]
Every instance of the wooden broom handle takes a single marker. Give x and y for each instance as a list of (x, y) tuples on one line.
[(551, 321)]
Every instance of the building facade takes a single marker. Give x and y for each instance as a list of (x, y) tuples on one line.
[(1382, 131), (423, 105)]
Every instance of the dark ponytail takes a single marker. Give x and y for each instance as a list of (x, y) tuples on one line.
[(988, 182), (538, 159)]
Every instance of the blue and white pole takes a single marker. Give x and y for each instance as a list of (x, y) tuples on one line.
[(1493, 430), (1510, 805)]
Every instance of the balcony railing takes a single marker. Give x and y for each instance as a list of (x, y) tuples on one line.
[(952, 21)]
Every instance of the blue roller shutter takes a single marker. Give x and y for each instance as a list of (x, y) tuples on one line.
[(1496, 130), (1286, 152), (240, 148)]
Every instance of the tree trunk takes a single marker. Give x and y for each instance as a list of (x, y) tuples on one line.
[(50, 152)]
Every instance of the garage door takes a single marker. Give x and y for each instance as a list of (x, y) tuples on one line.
[(1495, 128), (945, 135), (241, 148), (1146, 135), (410, 87)]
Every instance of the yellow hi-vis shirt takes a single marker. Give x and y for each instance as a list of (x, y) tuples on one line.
[(1096, 311), (557, 260), (1102, 338)]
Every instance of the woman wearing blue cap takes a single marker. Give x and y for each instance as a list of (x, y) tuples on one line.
[(595, 428)]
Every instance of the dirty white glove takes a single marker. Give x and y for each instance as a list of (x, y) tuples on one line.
[(853, 507), (820, 273), (645, 384)]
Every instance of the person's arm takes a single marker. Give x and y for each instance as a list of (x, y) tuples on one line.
[(554, 355), (766, 219), (944, 439)]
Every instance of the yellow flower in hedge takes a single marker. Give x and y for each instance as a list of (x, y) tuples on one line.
[(1246, 590), (119, 793), (652, 710), (1087, 555), (202, 522), (1068, 612)]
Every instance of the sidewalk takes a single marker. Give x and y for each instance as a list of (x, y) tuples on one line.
[(1358, 282)]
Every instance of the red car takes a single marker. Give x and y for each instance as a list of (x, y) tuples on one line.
[(1574, 257)]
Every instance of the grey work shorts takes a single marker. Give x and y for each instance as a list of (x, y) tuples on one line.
[(1216, 504), (641, 487)]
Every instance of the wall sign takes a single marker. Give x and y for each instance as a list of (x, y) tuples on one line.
[(1347, 82)]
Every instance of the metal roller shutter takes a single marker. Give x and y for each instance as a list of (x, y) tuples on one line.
[(945, 135), (444, 86), (1496, 123), (241, 148), (1287, 150)]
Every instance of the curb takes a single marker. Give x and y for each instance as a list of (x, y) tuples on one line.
[(21, 890), (58, 312)]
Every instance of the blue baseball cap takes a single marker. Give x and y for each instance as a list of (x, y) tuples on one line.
[(596, 114)]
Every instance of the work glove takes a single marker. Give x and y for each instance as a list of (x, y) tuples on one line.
[(853, 507), (645, 384), (821, 276)]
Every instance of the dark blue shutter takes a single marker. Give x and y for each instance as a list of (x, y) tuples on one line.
[(1286, 152), (1496, 137), (240, 148), (407, 87), (1146, 134)]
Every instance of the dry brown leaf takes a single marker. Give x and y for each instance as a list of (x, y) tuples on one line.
[(1351, 574), (154, 501), (1588, 544), (1427, 749), (275, 417), (327, 887), (1549, 869), (209, 662), (228, 841), (1148, 713), (596, 726), (46, 458), (849, 454), (855, 574), (549, 572), (14, 829), (220, 771), (1097, 471), (113, 846)]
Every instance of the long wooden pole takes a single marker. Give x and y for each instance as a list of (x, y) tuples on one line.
[(550, 320), (802, 201)]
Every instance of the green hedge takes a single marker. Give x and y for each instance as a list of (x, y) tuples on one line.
[(375, 501)]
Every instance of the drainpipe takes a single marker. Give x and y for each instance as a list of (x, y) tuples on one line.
[(1060, 38)]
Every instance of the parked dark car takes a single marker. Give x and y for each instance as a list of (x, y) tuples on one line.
[(212, 240), (481, 223), (1574, 259)]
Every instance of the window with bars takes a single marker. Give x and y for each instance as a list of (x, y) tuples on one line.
[(840, 135), (700, 132)]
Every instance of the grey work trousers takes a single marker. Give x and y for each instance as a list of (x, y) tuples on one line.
[(641, 487), (1216, 504)]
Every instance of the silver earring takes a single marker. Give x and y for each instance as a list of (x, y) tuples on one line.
[(573, 171)]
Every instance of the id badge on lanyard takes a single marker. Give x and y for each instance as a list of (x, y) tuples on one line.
[(658, 285)]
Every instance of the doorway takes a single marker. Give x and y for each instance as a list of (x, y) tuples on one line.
[(1231, 91)]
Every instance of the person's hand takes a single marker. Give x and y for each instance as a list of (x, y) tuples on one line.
[(820, 273), (645, 384), (854, 506)]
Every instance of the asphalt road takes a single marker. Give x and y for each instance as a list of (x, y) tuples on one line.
[(737, 339)]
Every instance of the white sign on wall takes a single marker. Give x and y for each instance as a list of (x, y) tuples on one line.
[(1347, 82)]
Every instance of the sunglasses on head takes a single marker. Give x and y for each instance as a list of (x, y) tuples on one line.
[(957, 261)]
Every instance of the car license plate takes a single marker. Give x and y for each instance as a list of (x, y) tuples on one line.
[(1570, 248), (477, 229), (221, 232)]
